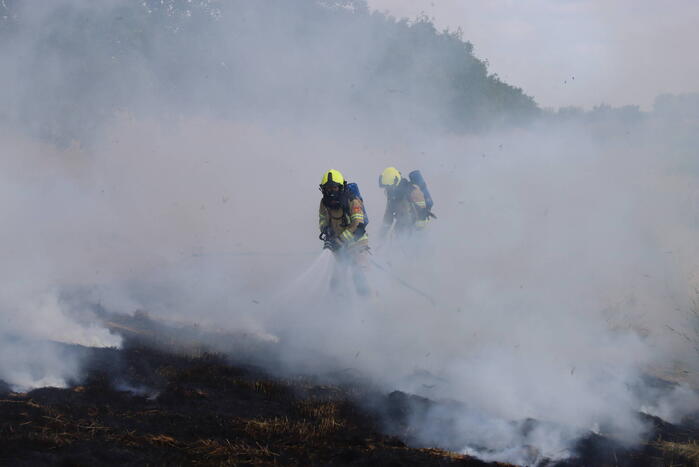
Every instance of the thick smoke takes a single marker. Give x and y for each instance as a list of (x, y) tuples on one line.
[(179, 176)]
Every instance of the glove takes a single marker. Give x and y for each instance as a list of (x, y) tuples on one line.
[(330, 244), (330, 241)]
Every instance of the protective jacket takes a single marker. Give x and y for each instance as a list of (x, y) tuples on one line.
[(406, 205), (346, 224)]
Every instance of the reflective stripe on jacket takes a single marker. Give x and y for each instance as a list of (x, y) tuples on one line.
[(409, 212), (348, 228)]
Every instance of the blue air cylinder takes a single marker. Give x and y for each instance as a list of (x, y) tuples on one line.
[(353, 189), (416, 178)]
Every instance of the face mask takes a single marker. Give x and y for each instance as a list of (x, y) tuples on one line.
[(332, 199)]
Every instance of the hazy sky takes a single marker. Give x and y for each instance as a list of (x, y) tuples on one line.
[(620, 52)]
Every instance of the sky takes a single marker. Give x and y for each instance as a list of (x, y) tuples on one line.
[(576, 52)]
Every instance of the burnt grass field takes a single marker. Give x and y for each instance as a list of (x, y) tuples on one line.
[(154, 402)]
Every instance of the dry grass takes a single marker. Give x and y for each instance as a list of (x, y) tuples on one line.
[(679, 453), (228, 452), (280, 428), (272, 390)]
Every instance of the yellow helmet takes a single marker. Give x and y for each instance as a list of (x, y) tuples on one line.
[(389, 177), (332, 175)]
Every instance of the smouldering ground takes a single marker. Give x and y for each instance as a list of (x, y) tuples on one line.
[(142, 406), (155, 402)]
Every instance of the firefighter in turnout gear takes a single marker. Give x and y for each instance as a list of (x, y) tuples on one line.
[(407, 204), (342, 222)]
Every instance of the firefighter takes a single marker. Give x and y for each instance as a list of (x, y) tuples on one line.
[(406, 204), (342, 221)]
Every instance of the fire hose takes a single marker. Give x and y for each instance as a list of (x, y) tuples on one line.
[(405, 284)]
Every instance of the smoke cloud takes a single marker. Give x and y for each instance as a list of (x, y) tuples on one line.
[(180, 177)]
